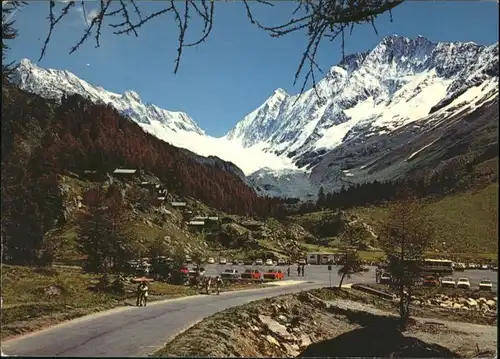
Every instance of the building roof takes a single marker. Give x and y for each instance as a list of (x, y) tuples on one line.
[(199, 218), (124, 171), (178, 204)]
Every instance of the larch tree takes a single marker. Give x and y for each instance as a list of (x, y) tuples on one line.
[(350, 261), (405, 237)]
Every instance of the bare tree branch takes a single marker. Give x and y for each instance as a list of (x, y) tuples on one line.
[(319, 18), (54, 21)]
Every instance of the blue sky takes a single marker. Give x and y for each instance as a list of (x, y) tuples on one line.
[(239, 66)]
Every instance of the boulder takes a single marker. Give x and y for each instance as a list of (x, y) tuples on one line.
[(472, 302), (304, 341), (491, 303), (52, 291), (275, 327), (462, 300), (272, 340)]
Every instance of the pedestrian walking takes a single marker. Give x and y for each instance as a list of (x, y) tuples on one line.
[(138, 295), (288, 271), (298, 271), (218, 284), (303, 270), (208, 282), (145, 290)]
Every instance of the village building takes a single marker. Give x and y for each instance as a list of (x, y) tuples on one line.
[(178, 205), (124, 173)]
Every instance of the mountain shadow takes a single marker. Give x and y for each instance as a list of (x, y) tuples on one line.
[(382, 340)]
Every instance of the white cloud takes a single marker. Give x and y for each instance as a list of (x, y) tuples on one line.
[(89, 17)]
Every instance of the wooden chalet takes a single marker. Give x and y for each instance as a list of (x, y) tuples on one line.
[(178, 204), (125, 172)]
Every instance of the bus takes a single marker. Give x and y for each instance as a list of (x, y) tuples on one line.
[(435, 266), (443, 266)]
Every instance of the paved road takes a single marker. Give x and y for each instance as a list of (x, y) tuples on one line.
[(132, 331), (138, 331)]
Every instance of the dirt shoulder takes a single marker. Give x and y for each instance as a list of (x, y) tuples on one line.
[(36, 298), (328, 322)]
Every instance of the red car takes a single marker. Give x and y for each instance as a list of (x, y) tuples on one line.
[(251, 274), (273, 274), (430, 281)]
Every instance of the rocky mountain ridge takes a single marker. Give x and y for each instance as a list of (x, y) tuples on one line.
[(371, 106)]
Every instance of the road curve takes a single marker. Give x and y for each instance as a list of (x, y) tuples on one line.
[(136, 331)]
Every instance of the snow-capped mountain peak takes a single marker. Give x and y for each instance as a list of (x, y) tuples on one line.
[(54, 84), (398, 82)]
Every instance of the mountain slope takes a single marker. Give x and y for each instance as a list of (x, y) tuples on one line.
[(401, 89), (176, 128), (54, 84)]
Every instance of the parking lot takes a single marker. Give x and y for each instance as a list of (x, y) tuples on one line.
[(319, 274)]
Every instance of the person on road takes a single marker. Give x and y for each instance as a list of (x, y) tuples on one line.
[(298, 270), (218, 284), (138, 294), (145, 290), (208, 282), (288, 271), (377, 274), (303, 270)]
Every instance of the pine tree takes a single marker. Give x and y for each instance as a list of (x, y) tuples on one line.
[(405, 237), (320, 202)]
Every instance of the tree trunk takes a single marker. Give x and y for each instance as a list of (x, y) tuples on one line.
[(341, 280)]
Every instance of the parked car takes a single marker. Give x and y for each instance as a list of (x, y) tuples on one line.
[(259, 262), (495, 268), (430, 281), (251, 274), (281, 262), (448, 282), (222, 261), (484, 267), (463, 283), (248, 262), (274, 274), (459, 267), (230, 274), (236, 262), (269, 262), (211, 260), (485, 284), (385, 278)]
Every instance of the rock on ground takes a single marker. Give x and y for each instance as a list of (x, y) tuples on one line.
[(291, 325)]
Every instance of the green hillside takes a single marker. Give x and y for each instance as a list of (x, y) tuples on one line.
[(465, 223)]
